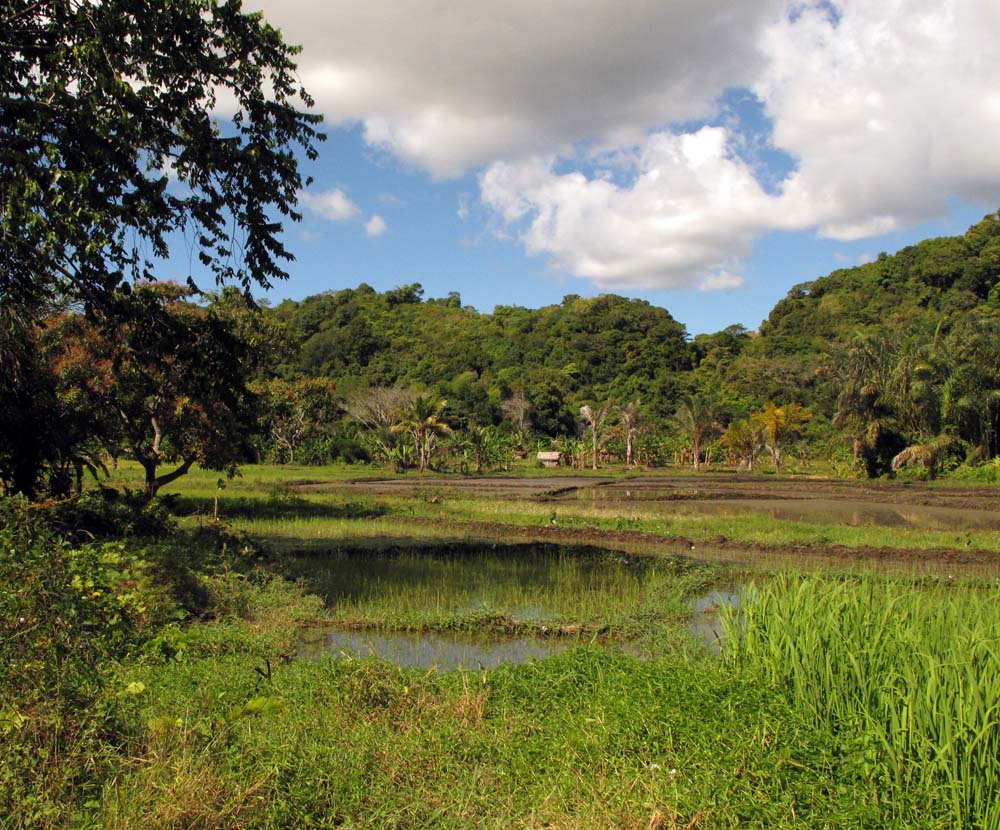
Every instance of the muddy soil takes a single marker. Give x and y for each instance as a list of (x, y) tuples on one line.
[(959, 507), (933, 560), (681, 487)]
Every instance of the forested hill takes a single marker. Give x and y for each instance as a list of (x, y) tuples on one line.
[(612, 347), (902, 352), (936, 281), (608, 347)]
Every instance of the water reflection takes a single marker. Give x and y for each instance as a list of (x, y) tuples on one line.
[(498, 603), (706, 624), (431, 650), (817, 510)]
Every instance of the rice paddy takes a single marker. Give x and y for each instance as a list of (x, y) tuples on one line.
[(843, 694)]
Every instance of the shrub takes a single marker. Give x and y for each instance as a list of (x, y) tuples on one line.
[(106, 512)]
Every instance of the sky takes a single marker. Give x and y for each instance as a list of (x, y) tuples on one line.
[(704, 155)]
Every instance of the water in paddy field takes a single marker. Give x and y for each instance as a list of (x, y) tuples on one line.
[(804, 508), (443, 651), (550, 597)]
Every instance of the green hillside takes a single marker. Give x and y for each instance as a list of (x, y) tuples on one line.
[(908, 338)]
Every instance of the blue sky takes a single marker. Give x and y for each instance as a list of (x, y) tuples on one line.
[(704, 156)]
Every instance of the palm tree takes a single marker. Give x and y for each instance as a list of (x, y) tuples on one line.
[(698, 419), (629, 415), (595, 417), (970, 397), (778, 423), (914, 386), (863, 373), (931, 455), (423, 422)]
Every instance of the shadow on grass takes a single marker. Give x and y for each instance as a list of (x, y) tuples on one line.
[(276, 508)]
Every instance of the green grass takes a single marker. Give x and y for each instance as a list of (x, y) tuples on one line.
[(516, 589), (907, 676), (843, 702), (585, 739)]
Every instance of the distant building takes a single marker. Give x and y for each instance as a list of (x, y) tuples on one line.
[(550, 459)]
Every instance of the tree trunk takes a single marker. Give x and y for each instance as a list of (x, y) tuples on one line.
[(154, 482)]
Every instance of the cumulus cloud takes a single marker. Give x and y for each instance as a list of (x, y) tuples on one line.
[(688, 215), (449, 86), (331, 204), (584, 117), (375, 226), (720, 281), (891, 109)]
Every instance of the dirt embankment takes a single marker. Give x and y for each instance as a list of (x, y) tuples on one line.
[(976, 502), (721, 547)]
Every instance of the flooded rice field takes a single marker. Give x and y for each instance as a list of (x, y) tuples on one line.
[(478, 606), (819, 502)]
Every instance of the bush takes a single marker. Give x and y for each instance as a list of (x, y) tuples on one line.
[(106, 512), (988, 473), (68, 614)]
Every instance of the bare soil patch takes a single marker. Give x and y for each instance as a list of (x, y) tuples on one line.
[(981, 501)]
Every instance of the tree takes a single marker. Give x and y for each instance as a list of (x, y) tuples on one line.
[(745, 440), (293, 411), (423, 422), (595, 417), (970, 402), (378, 409), (517, 409), (165, 383), (863, 375), (698, 418), (779, 423), (108, 145), (629, 417)]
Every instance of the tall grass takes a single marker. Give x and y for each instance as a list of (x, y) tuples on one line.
[(908, 676), (524, 587)]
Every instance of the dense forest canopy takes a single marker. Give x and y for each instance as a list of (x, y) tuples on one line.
[(888, 365), (926, 313)]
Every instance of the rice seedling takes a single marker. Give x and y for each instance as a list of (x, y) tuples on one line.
[(537, 588), (907, 676)]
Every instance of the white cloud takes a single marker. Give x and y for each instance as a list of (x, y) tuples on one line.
[(375, 226), (331, 204), (689, 214), (720, 281), (449, 86), (891, 110), (578, 114)]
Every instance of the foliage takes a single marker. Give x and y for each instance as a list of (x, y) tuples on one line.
[(102, 105), (698, 418), (164, 383), (294, 413), (744, 439), (68, 614), (105, 512), (422, 421), (778, 424)]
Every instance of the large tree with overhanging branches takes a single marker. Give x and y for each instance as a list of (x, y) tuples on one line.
[(110, 143), (127, 128)]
